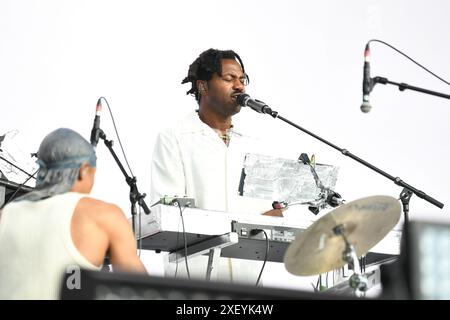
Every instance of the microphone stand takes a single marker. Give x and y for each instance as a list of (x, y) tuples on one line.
[(135, 196), (407, 191), (404, 86)]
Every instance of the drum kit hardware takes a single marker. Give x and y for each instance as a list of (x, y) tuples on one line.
[(341, 237)]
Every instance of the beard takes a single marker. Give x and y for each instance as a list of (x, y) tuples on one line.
[(235, 109), (226, 108)]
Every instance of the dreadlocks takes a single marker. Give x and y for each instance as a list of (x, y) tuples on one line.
[(208, 63)]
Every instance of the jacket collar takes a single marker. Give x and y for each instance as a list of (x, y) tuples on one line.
[(192, 123)]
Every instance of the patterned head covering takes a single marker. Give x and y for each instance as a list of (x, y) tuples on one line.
[(60, 156)]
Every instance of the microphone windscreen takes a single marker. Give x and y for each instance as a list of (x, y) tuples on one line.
[(242, 98), (365, 107)]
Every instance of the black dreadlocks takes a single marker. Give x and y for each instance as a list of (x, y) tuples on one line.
[(208, 63)]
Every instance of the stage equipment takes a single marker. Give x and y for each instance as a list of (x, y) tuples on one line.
[(408, 190), (342, 236), (97, 285)]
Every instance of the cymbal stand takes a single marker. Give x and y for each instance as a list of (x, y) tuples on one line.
[(357, 281)]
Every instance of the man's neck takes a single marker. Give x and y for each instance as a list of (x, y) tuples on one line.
[(215, 120)]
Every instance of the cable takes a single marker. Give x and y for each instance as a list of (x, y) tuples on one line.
[(320, 282), (316, 288), (9, 162), (176, 251), (184, 237), (140, 231), (405, 55), (265, 257), (176, 246), (117, 134), (19, 188)]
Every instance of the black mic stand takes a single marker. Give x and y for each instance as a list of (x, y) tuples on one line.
[(406, 194), (18, 168), (407, 191), (19, 186), (405, 86), (135, 196)]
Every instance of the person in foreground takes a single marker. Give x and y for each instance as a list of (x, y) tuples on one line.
[(58, 227)]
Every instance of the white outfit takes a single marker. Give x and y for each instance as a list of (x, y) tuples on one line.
[(36, 247), (192, 160)]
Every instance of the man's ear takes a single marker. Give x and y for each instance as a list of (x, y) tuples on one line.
[(84, 171), (202, 86)]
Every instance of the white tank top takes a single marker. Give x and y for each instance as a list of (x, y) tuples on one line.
[(36, 247)]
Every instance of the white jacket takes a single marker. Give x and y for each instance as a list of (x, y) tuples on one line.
[(191, 160)]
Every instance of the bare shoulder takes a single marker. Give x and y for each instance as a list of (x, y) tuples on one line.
[(99, 209)]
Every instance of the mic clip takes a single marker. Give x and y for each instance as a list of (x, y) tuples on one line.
[(334, 199), (279, 204), (177, 201), (327, 198)]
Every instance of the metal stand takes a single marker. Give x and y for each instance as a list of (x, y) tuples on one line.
[(327, 196), (213, 264), (405, 86), (265, 109), (405, 196), (18, 168), (212, 246), (17, 188), (358, 282), (135, 196)]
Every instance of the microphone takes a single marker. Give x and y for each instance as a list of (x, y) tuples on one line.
[(244, 100), (95, 133), (367, 81)]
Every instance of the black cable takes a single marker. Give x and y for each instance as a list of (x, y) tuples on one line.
[(117, 134), (361, 264), (176, 251), (184, 237), (316, 288), (176, 246), (140, 231), (405, 55), (265, 257), (19, 188), (320, 282), (9, 162)]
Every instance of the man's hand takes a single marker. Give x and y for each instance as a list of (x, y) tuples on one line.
[(274, 213)]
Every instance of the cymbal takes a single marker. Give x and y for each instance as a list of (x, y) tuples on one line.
[(366, 222)]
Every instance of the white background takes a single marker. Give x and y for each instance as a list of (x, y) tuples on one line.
[(304, 59)]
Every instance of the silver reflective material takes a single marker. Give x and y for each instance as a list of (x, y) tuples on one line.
[(14, 157), (278, 179)]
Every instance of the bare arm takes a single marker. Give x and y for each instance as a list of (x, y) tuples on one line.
[(122, 243)]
